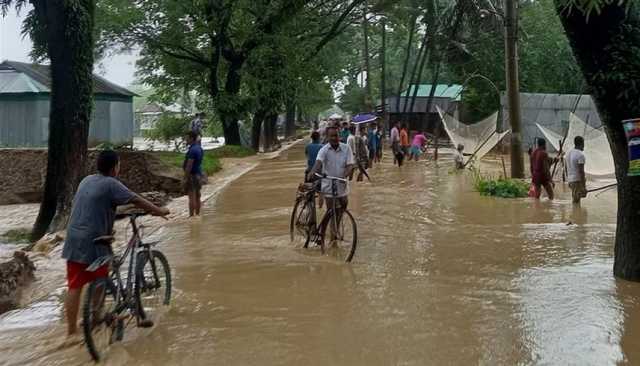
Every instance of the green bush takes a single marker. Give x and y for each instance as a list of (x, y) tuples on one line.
[(170, 128), (501, 187)]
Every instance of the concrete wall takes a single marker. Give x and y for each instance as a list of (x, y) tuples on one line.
[(24, 170), (551, 111)]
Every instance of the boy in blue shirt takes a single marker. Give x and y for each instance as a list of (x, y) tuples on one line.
[(311, 151), (193, 173)]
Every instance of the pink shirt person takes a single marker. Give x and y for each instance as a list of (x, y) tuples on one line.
[(419, 140)]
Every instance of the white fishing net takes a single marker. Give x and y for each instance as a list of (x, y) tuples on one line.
[(478, 138), (599, 160)]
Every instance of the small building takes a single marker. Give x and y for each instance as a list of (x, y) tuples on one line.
[(551, 111), (447, 97), (147, 116), (25, 91)]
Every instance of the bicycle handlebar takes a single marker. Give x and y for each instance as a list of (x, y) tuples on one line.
[(324, 176)]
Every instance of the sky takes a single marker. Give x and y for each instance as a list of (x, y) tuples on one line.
[(119, 69)]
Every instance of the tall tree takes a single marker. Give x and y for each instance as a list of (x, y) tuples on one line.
[(605, 37), (62, 30), (366, 57), (407, 58)]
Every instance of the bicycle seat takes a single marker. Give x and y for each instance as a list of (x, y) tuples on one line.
[(99, 263)]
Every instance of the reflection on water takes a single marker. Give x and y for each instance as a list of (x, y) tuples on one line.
[(441, 276)]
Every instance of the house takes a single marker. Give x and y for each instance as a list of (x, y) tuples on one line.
[(447, 97), (25, 91), (147, 116), (552, 112)]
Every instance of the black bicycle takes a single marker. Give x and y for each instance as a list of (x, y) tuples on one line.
[(111, 304), (342, 237)]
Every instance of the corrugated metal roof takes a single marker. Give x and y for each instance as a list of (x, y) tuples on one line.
[(19, 77), (12, 81), (453, 91)]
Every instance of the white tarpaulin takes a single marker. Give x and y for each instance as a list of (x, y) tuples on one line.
[(596, 145), (478, 138)]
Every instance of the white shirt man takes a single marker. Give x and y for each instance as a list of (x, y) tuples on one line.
[(575, 162), (351, 141), (335, 162), (395, 135)]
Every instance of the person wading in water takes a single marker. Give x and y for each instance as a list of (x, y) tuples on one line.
[(541, 170)]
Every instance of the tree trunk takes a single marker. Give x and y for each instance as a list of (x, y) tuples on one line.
[(407, 58), (272, 120), (432, 92), (256, 130), (270, 135), (412, 79), (367, 63), (69, 32), (513, 87), (383, 73), (423, 61), (606, 49), (230, 115), (290, 116)]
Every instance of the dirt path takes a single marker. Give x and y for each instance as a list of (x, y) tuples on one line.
[(50, 273)]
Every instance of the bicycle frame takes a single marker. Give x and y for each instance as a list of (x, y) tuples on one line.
[(124, 293)]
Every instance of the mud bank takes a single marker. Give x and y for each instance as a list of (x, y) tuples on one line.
[(24, 171)]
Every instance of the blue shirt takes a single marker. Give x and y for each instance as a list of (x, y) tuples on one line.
[(372, 139), (312, 153), (344, 134), (196, 153)]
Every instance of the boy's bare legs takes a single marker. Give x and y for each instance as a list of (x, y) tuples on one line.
[(72, 305), (197, 203), (192, 203)]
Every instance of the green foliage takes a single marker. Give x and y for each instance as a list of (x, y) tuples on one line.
[(210, 164), (231, 151), (170, 128), (591, 6), (501, 187), (17, 236)]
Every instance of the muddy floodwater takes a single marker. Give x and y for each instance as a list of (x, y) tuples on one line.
[(442, 276)]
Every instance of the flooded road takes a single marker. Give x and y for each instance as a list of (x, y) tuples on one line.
[(442, 276)]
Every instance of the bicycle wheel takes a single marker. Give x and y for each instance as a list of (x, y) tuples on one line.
[(153, 283), (100, 318), (342, 242), (300, 226)]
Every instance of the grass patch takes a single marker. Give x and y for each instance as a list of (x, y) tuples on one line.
[(18, 236), (211, 163), (501, 187), (230, 151)]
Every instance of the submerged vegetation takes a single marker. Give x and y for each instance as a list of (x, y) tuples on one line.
[(500, 187), (17, 236)]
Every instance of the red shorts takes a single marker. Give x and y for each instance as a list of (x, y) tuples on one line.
[(77, 276)]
